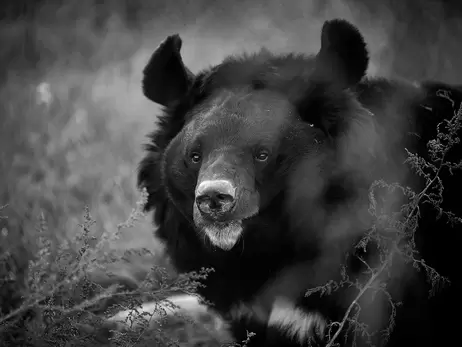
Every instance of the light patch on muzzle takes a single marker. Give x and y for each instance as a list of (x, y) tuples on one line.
[(222, 186), (224, 235), (296, 323)]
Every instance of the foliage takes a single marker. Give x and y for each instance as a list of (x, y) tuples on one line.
[(58, 281), (63, 306), (393, 232)]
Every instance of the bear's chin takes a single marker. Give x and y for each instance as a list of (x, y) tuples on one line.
[(224, 235)]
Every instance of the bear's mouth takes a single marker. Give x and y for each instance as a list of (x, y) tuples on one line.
[(224, 230), (223, 234)]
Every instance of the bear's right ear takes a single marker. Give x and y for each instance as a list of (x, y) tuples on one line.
[(165, 78), (343, 57)]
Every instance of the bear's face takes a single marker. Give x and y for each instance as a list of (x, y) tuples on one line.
[(227, 163), (233, 137)]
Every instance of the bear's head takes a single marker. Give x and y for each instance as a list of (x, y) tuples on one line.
[(230, 141)]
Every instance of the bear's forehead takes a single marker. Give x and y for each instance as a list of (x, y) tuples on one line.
[(242, 111)]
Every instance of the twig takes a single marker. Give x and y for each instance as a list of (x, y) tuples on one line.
[(360, 294)]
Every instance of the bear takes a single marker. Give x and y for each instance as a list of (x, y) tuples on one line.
[(254, 160), (256, 211)]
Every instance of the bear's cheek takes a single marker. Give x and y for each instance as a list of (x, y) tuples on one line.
[(180, 182), (182, 179), (179, 189), (268, 184), (248, 204)]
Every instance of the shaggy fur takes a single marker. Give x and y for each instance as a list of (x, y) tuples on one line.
[(331, 131)]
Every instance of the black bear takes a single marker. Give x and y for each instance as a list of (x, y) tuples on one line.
[(260, 167)]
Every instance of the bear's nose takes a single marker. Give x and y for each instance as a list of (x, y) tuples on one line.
[(215, 197)]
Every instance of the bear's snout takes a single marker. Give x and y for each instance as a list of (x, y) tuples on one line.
[(214, 198)]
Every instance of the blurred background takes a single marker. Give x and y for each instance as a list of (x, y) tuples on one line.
[(73, 118)]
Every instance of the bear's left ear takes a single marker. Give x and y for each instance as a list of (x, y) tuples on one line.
[(343, 57), (165, 78)]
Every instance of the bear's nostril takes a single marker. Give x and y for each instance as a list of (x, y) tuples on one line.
[(223, 198)]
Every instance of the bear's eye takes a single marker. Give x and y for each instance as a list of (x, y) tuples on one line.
[(262, 155), (195, 157)]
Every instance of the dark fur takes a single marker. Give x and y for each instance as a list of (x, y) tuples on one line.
[(324, 167)]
